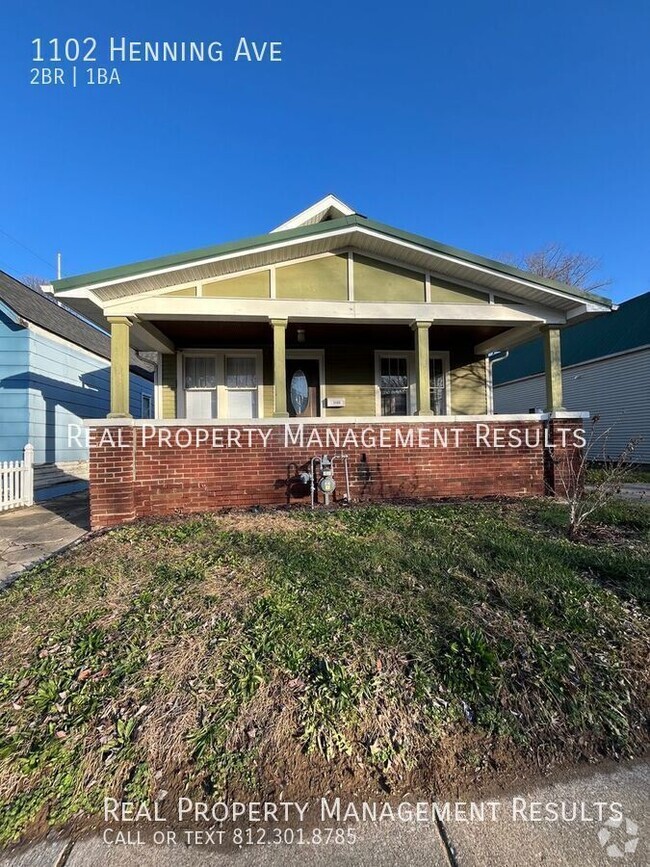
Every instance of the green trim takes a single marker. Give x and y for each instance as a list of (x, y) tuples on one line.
[(192, 256)]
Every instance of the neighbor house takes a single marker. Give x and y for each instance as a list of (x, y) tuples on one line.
[(54, 373), (605, 370), (331, 319)]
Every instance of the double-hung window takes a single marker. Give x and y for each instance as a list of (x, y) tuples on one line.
[(394, 385), (201, 386), (437, 385), (241, 386)]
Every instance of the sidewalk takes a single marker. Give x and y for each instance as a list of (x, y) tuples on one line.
[(502, 843), (29, 535)]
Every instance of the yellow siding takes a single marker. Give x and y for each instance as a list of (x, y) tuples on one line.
[(351, 375), (168, 386), (378, 281), (323, 279), (188, 292), (468, 388), (267, 382), (255, 285), (448, 293)]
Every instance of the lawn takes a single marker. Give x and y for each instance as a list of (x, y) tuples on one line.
[(370, 649), (634, 474)]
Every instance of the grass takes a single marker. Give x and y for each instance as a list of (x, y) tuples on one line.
[(635, 474), (389, 646)]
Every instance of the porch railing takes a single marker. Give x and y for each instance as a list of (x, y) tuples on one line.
[(17, 481)]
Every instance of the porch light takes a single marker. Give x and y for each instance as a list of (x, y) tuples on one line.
[(300, 335)]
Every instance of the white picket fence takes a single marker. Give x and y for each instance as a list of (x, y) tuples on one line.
[(17, 481)]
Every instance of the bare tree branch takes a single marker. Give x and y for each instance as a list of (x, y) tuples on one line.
[(584, 500), (555, 262), (33, 281)]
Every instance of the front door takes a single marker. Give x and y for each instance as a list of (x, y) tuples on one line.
[(303, 388)]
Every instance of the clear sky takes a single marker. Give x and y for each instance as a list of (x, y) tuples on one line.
[(493, 126)]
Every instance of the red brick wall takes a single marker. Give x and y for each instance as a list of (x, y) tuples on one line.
[(133, 473)]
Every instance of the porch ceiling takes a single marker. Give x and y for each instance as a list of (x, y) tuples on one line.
[(186, 334)]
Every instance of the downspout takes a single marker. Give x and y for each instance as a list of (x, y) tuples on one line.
[(493, 358)]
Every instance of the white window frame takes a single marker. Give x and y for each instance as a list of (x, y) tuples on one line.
[(222, 397), (220, 371), (145, 396), (199, 354), (410, 379), (443, 355), (411, 392)]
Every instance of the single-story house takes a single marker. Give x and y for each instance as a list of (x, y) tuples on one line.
[(54, 373), (605, 370), (330, 321)]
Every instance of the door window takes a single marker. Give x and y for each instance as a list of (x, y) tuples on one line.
[(299, 392)]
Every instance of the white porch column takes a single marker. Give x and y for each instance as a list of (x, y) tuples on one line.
[(279, 368)]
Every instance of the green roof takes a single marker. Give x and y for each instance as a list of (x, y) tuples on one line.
[(143, 267), (621, 331)]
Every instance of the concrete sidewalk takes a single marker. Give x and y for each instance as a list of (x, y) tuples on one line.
[(580, 840), (29, 535)]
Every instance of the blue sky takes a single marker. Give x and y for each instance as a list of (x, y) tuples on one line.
[(496, 127)]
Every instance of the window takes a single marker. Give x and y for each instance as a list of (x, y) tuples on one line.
[(241, 386), (299, 392), (147, 405), (200, 372), (201, 386), (437, 385), (393, 385)]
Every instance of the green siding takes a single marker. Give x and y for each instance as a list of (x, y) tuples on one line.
[(625, 329)]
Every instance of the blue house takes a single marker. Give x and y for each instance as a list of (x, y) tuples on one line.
[(55, 372)]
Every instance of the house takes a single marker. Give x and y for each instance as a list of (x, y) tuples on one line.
[(331, 320), (54, 372), (605, 370)]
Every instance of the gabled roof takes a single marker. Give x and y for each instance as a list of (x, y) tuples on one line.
[(34, 306), (344, 227), (624, 330), (327, 208)]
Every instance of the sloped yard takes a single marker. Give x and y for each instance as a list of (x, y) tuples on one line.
[(370, 650)]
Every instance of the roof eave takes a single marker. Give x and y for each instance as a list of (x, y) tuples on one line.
[(84, 282)]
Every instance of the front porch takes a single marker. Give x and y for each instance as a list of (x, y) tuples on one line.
[(290, 368)]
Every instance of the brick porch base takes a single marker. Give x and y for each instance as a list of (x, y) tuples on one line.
[(158, 468)]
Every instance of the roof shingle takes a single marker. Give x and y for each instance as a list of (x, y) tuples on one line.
[(40, 309)]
